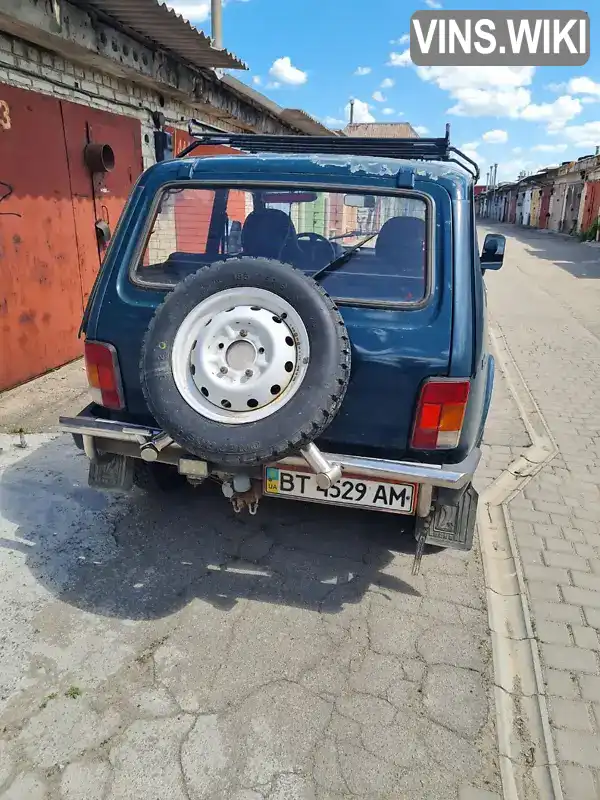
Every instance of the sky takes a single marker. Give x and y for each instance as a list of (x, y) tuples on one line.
[(318, 54)]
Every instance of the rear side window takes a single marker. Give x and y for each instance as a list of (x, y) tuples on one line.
[(377, 244)]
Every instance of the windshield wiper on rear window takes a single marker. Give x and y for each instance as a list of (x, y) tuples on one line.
[(341, 260)]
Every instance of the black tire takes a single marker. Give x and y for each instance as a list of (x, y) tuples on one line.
[(157, 477), (298, 422)]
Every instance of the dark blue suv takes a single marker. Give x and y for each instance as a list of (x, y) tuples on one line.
[(300, 317)]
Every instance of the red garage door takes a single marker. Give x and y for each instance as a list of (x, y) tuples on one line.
[(193, 209), (49, 204), (592, 205), (545, 206)]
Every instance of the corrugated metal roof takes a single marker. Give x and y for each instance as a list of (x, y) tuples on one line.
[(167, 29), (304, 122), (294, 117), (252, 94), (382, 130)]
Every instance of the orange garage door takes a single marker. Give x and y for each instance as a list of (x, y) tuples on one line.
[(49, 203)]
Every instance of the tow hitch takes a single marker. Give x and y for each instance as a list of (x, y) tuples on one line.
[(245, 492)]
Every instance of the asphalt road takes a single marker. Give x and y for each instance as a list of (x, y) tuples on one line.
[(164, 648)]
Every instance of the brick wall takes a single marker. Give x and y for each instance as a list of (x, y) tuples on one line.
[(163, 240), (30, 67)]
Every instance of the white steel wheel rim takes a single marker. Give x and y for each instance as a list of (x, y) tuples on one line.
[(240, 355)]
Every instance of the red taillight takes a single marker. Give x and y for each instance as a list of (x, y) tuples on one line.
[(440, 414), (104, 377)]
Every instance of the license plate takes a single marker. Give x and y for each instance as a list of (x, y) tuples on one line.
[(389, 496)]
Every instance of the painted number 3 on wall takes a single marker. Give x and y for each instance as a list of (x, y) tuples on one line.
[(4, 115)]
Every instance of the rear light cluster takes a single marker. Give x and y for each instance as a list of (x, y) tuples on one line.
[(103, 374), (440, 414)]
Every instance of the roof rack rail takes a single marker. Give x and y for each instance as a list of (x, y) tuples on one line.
[(416, 149)]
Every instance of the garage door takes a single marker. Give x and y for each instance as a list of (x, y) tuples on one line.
[(49, 204)]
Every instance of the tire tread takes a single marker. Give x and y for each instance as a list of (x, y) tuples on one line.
[(311, 428)]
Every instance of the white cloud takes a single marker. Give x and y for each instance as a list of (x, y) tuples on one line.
[(363, 71), (192, 10), (556, 87), (517, 150), (470, 149), (378, 97), (475, 102), (433, 4), (421, 130), (387, 83), (584, 86), (454, 78), (483, 91), (404, 39), (474, 155), (586, 136), (556, 114), (510, 170), (361, 112), (257, 80), (387, 111), (549, 148), (273, 85), (402, 59), (498, 92), (495, 137), (285, 72), (333, 122)]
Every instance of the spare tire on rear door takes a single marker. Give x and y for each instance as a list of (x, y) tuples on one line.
[(245, 362)]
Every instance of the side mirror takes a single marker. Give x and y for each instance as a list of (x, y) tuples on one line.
[(492, 255)]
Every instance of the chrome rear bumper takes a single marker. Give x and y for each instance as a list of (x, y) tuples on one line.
[(126, 439)]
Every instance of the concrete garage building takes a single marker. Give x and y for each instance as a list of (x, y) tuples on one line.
[(88, 90)]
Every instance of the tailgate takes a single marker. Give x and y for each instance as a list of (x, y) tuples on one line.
[(392, 354)]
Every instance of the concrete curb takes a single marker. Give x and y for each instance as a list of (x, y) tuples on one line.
[(526, 748)]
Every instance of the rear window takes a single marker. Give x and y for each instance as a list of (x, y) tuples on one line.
[(381, 239)]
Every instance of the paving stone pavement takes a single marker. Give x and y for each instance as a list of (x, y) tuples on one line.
[(178, 652), (546, 301)]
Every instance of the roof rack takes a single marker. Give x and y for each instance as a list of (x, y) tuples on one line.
[(415, 149)]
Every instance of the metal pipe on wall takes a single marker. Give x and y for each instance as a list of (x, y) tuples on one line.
[(216, 21)]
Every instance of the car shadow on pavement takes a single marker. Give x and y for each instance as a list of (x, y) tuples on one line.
[(557, 248), (143, 557)]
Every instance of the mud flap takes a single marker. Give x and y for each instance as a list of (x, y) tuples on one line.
[(451, 523), (112, 473)]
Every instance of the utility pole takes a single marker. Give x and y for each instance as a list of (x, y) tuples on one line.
[(351, 111), (494, 186), (216, 22)]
